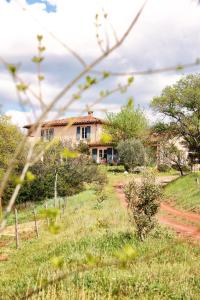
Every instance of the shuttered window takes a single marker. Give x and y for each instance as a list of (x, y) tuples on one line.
[(78, 132)]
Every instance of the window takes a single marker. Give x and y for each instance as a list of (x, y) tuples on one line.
[(102, 154), (78, 130), (47, 134), (83, 132), (94, 154)]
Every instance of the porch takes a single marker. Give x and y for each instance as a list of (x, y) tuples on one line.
[(104, 154)]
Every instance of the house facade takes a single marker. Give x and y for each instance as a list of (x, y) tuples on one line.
[(161, 141), (87, 129)]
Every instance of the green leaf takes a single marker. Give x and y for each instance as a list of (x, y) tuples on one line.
[(22, 87), (17, 180), (12, 69), (69, 154), (126, 255), (130, 103), (29, 176), (76, 96), (130, 80), (54, 228), (179, 68), (91, 81), (41, 77), (39, 37), (50, 213), (106, 74), (41, 49), (37, 59), (57, 262), (106, 138)]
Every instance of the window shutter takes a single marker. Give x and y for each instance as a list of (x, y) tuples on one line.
[(78, 131), (88, 131)]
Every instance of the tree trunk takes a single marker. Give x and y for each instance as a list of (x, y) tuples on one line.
[(180, 169)]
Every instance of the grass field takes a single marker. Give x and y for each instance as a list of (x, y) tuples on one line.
[(185, 192), (165, 267)]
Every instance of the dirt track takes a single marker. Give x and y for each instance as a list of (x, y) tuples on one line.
[(187, 224)]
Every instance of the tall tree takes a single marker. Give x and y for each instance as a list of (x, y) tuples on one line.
[(180, 103), (129, 123)]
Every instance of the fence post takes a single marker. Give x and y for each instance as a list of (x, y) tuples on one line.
[(36, 225), (55, 189), (65, 203), (46, 206), (16, 229), (63, 207)]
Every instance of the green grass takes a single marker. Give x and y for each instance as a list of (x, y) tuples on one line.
[(165, 268), (185, 192)]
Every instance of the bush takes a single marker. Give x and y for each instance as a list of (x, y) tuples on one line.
[(139, 169), (143, 204), (163, 168), (131, 154), (72, 173), (83, 148)]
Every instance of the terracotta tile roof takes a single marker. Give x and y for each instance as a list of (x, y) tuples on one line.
[(100, 144), (73, 121)]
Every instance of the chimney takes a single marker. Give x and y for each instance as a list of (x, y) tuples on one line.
[(90, 113)]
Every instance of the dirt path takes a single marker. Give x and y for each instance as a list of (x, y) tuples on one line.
[(170, 214), (23, 228)]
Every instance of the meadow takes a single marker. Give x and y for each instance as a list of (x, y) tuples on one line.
[(165, 267)]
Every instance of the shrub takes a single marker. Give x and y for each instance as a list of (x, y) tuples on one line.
[(83, 148), (131, 154), (72, 173), (163, 168), (143, 204)]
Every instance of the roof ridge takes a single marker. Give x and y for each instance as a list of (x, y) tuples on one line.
[(76, 120)]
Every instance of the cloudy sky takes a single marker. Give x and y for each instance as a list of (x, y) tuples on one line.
[(168, 33)]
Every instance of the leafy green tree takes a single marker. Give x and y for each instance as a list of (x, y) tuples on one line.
[(180, 103), (175, 157), (131, 153), (129, 123), (72, 172), (10, 137)]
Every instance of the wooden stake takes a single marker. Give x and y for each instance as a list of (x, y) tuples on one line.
[(65, 203), (36, 225), (63, 208), (55, 190), (46, 206), (16, 229)]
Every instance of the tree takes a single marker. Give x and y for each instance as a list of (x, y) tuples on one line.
[(174, 156), (128, 123), (10, 137), (131, 153), (180, 103)]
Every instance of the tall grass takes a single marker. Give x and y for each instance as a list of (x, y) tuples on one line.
[(185, 192), (165, 268)]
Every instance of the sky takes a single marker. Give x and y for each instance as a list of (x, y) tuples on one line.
[(166, 34)]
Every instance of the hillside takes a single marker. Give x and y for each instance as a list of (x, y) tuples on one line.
[(165, 267), (185, 192)]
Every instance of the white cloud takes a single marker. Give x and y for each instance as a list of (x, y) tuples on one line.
[(167, 33)]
